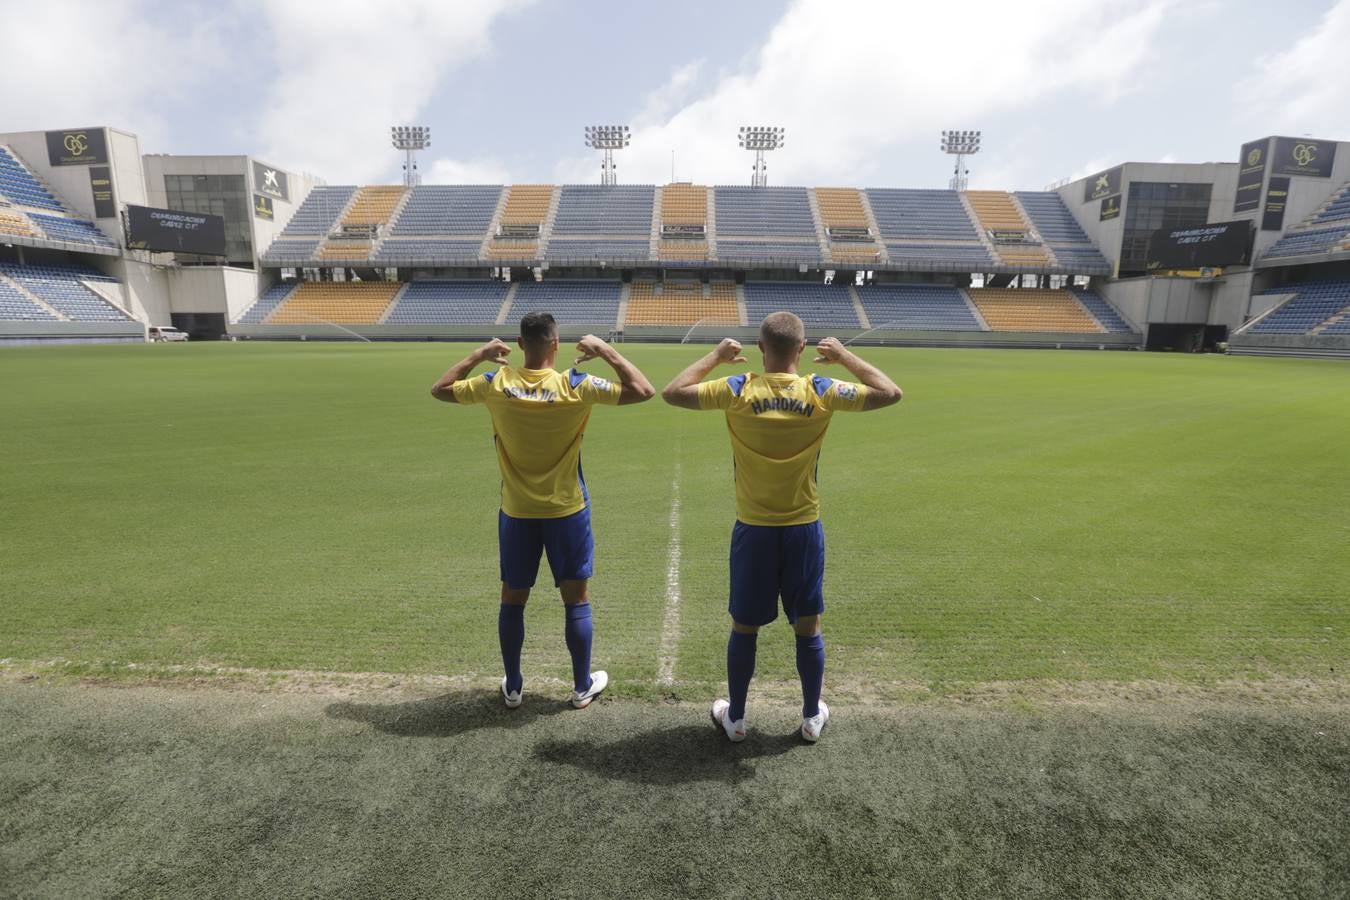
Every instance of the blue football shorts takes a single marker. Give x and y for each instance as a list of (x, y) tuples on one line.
[(567, 541), (772, 561)]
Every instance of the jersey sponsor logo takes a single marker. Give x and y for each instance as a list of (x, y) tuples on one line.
[(601, 384), (538, 395), (846, 392), (782, 404)]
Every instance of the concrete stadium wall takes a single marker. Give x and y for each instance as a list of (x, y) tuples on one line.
[(212, 289), (12, 332), (701, 335), (1334, 346)]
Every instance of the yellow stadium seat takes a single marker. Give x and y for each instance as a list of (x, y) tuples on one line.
[(1029, 309), (345, 302), (682, 303)]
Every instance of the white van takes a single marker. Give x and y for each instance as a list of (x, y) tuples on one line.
[(166, 333)]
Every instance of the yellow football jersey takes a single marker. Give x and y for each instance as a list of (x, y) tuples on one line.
[(777, 423), (538, 419)]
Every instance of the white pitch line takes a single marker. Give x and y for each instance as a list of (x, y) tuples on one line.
[(670, 629)]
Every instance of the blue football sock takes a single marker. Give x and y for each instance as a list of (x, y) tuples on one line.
[(578, 635), (511, 633), (740, 669), (811, 668)]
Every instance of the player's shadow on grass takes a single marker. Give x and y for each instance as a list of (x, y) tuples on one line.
[(679, 755), (444, 716)]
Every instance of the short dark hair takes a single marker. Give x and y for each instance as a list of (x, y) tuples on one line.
[(538, 327), (782, 333)]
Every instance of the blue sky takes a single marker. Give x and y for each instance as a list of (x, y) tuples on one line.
[(1059, 87)]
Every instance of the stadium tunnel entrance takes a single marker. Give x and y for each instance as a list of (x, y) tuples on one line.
[(1182, 337)]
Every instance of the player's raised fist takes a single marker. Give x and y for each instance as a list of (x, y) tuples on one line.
[(729, 351), (590, 347), (830, 350), (495, 351)]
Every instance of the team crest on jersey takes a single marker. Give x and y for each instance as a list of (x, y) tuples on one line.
[(601, 384), (846, 392)]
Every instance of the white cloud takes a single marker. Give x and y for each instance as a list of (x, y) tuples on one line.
[(102, 64), (851, 82), (1303, 89), (348, 69), (484, 170)]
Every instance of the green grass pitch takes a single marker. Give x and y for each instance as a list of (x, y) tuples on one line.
[(1021, 515), (1086, 634)]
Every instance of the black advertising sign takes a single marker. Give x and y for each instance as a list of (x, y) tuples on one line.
[(1277, 197), (1103, 184), (172, 231), (1251, 174), (77, 147), (1303, 156), (1110, 208), (271, 182), (1214, 244), (100, 182), (263, 208)]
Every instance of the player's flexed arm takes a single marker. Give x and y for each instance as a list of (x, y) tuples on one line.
[(494, 350), (633, 385), (683, 390), (881, 390)]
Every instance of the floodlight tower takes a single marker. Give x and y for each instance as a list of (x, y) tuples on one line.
[(760, 138), (607, 138), (960, 144), (410, 139)]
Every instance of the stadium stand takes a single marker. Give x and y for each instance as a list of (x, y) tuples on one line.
[(917, 306), (682, 303), (15, 223), (270, 300), (818, 305), (842, 212), (1030, 309), (290, 253), (60, 288), (1102, 311), (15, 306), (588, 303), (1313, 303), (927, 227), (766, 224), (20, 186), (318, 215), (1326, 230), (79, 231), (449, 302), (998, 215), (780, 252), (684, 206), (374, 204), (527, 206), (441, 223), (345, 302), (602, 222), (1058, 228)]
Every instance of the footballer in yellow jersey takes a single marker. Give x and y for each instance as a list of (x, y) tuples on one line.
[(777, 422), (539, 418)]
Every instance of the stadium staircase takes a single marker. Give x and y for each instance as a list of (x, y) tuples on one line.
[(979, 229), (654, 236), (1032, 232), (710, 225), (863, 319), (996, 214), (494, 226), (974, 310), (550, 219), (870, 218)]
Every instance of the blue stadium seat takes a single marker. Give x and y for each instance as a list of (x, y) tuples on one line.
[(1313, 303), (270, 300), (449, 303), (917, 306), (819, 305), (589, 303), (60, 288)]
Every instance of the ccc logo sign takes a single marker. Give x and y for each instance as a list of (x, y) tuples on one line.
[(77, 143), (1254, 156), (1305, 154)]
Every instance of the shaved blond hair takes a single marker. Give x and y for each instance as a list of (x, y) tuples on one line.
[(782, 334)]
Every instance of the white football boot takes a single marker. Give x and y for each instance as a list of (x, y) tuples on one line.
[(735, 731), (599, 681), (812, 727), (513, 698)]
